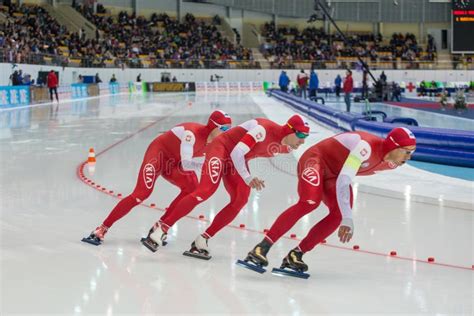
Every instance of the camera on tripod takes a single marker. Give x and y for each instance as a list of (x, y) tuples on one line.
[(216, 78)]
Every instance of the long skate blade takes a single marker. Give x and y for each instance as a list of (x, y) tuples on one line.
[(196, 255), (251, 266), (92, 241), (150, 244), (288, 272)]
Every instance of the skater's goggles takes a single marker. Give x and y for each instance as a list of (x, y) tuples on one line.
[(299, 134), (407, 150), (222, 127)]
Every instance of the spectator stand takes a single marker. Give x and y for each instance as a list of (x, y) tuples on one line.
[(287, 47)]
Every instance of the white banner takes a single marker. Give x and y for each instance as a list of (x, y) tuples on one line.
[(229, 87)]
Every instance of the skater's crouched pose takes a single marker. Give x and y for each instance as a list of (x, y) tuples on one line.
[(177, 155), (227, 158), (325, 173)]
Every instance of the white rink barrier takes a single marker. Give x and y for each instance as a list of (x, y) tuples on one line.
[(228, 87)]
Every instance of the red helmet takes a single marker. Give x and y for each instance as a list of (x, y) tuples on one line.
[(297, 125), (399, 137), (219, 119)]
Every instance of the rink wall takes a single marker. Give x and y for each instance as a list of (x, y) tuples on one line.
[(436, 145), (69, 75)]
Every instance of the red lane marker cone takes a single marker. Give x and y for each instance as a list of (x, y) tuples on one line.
[(393, 253), (201, 216), (91, 158), (242, 225), (152, 205), (293, 236), (431, 259), (355, 247), (324, 241), (91, 161)]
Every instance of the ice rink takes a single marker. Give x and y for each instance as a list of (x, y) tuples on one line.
[(46, 209)]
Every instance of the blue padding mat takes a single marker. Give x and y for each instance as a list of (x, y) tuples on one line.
[(436, 145)]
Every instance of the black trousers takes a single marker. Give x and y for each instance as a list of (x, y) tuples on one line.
[(55, 92)]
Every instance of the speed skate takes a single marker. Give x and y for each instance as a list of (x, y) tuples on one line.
[(149, 243), (92, 239), (197, 254), (249, 264), (286, 271)]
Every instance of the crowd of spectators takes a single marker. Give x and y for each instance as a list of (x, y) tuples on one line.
[(31, 35), (190, 42), (286, 45), (464, 61)]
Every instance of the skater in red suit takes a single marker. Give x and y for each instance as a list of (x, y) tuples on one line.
[(177, 155), (227, 158), (325, 174)]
